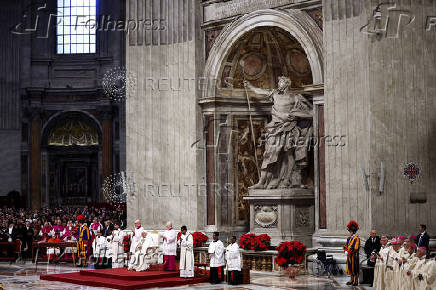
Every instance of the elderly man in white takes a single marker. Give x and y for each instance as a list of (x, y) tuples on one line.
[(139, 261), (169, 248), (186, 243), (217, 262), (233, 259), (136, 235)]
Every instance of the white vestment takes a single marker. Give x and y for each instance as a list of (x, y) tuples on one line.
[(424, 274), (392, 269), (380, 267), (117, 249), (186, 256), (409, 265), (136, 237), (233, 257), (140, 260), (99, 247), (216, 254), (70, 250), (169, 246)]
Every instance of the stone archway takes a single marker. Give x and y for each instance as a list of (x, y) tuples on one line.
[(71, 159), (297, 23)]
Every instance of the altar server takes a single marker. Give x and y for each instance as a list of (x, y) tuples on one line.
[(169, 247), (217, 262), (233, 258), (136, 235), (117, 247), (139, 261), (99, 246), (186, 243), (351, 248)]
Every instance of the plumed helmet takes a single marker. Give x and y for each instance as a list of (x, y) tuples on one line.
[(353, 226)]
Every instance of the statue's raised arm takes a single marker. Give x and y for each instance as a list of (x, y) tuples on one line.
[(259, 91)]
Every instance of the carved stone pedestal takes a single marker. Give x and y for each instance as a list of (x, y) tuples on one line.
[(286, 214)]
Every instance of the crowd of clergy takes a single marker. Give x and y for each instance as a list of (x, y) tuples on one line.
[(145, 250), (401, 263)]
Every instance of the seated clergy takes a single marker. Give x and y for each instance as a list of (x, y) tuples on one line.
[(69, 238), (136, 235), (186, 243), (217, 262), (233, 259), (53, 252), (140, 260)]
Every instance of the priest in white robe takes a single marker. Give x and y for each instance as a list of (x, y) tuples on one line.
[(233, 258), (136, 235), (217, 261), (117, 246), (424, 273), (169, 248), (392, 266), (186, 243), (140, 260)]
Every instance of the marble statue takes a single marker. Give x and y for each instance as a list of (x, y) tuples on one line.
[(286, 137)]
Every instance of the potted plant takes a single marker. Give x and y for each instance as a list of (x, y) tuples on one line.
[(199, 239), (290, 256)]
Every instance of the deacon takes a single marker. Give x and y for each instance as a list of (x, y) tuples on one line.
[(117, 247), (169, 247), (217, 262), (136, 235), (351, 248), (233, 259), (186, 243), (82, 241), (139, 260)]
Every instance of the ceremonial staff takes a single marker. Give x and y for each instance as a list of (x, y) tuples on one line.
[(252, 130)]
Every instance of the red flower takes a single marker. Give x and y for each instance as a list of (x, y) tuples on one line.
[(199, 238), (290, 253)]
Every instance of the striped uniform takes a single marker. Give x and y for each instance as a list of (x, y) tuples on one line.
[(352, 246), (82, 242)]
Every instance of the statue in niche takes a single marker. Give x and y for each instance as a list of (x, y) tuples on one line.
[(287, 137)]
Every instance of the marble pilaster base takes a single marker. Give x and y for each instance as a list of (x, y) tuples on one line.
[(285, 214)]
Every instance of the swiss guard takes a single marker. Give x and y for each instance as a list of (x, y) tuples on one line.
[(351, 249), (82, 241)]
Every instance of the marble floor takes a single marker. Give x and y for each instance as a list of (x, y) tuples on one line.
[(26, 276)]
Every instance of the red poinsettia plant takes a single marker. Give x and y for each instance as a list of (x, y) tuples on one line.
[(290, 253), (199, 238), (179, 235), (126, 243), (253, 242)]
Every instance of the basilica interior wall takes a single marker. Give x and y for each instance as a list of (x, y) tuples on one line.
[(379, 90), (161, 116)]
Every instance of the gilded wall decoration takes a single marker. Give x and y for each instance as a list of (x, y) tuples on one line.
[(245, 170), (73, 132)]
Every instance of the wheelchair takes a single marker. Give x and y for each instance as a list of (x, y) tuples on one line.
[(325, 265)]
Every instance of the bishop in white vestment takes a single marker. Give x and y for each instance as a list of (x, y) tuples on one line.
[(186, 243), (169, 248), (217, 262), (233, 258), (140, 261)]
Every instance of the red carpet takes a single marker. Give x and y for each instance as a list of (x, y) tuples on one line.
[(123, 279)]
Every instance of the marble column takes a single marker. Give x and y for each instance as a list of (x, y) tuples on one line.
[(35, 163), (107, 148)]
